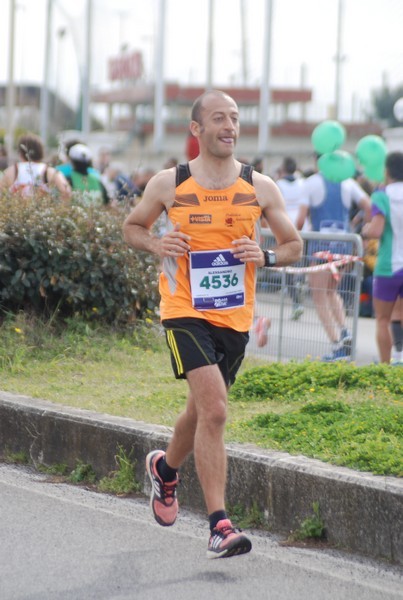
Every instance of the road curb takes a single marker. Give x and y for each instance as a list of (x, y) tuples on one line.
[(362, 512)]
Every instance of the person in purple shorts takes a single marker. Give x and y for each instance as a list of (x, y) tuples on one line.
[(387, 226)]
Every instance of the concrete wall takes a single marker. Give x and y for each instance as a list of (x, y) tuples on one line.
[(362, 512)]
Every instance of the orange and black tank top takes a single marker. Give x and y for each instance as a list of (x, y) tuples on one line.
[(208, 283)]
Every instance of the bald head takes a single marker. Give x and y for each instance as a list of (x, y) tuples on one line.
[(200, 102)]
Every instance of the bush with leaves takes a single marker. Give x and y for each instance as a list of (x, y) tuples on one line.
[(71, 259)]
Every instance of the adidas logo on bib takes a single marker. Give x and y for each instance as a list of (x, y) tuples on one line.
[(219, 261)]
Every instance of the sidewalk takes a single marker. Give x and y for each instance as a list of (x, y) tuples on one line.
[(366, 349), (362, 512), (299, 333)]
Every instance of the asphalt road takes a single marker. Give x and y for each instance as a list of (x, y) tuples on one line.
[(67, 543)]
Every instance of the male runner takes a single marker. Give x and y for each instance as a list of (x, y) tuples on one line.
[(207, 284)]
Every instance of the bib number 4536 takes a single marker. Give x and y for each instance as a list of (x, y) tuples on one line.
[(219, 281)]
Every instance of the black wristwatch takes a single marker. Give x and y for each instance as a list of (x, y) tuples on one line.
[(270, 258)]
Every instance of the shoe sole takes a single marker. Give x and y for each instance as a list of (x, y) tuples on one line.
[(152, 495), (242, 548)]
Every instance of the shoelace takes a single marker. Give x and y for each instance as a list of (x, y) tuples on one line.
[(225, 531), (168, 490)]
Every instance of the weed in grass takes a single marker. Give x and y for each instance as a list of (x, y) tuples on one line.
[(123, 480), (311, 528), (247, 518), (18, 458), (60, 469), (82, 473)]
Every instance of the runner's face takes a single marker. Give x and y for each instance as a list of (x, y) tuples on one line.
[(219, 129)]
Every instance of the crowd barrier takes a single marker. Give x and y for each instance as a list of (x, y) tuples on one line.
[(284, 296)]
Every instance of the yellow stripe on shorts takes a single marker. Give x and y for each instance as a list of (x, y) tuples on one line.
[(174, 349)]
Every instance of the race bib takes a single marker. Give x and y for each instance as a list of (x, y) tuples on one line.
[(217, 280)]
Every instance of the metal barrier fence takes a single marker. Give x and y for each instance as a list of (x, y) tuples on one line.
[(286, 297)]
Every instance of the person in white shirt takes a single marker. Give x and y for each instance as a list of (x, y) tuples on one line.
[(330, 202), (291, 185)]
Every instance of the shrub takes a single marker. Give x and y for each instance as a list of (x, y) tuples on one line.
[(71, 259), (295, 381)]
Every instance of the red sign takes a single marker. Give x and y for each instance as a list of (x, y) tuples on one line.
[(127, 66)]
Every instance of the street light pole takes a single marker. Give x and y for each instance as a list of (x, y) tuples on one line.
[(263, 139), (11, 83), (86, 75), (339, 60), (244, 50), (44, 115), (159, 95), (210, 45)]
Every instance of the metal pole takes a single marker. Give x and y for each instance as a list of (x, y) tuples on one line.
[(245, 71), (11, 84), (159, 95), (303, 84), (263, 139), (339, 59), (44, 117), (210, 45), (86, 84)]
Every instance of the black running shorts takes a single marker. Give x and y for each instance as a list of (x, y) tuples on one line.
[(196, 343)]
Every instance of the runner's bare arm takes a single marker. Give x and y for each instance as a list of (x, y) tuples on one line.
[(288, 247), (158, 196)]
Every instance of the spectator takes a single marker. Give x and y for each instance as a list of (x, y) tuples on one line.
[(31, 175), (328, 204), (119, 186), (82, 179), (292, 189), (66, 166), (386, 225)]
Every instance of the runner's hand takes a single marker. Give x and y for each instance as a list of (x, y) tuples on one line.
[(247, 250), (174, 243)]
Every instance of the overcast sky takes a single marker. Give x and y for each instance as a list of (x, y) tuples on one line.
[(304, 39)]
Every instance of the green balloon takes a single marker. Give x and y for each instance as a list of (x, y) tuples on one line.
[(337, 166), (328, 136), (375, 172), (371, 150)]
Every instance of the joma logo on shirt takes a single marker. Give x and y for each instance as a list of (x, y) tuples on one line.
[(200, 219), (215, 198)]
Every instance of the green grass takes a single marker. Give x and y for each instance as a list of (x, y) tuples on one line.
[(339, 413)]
